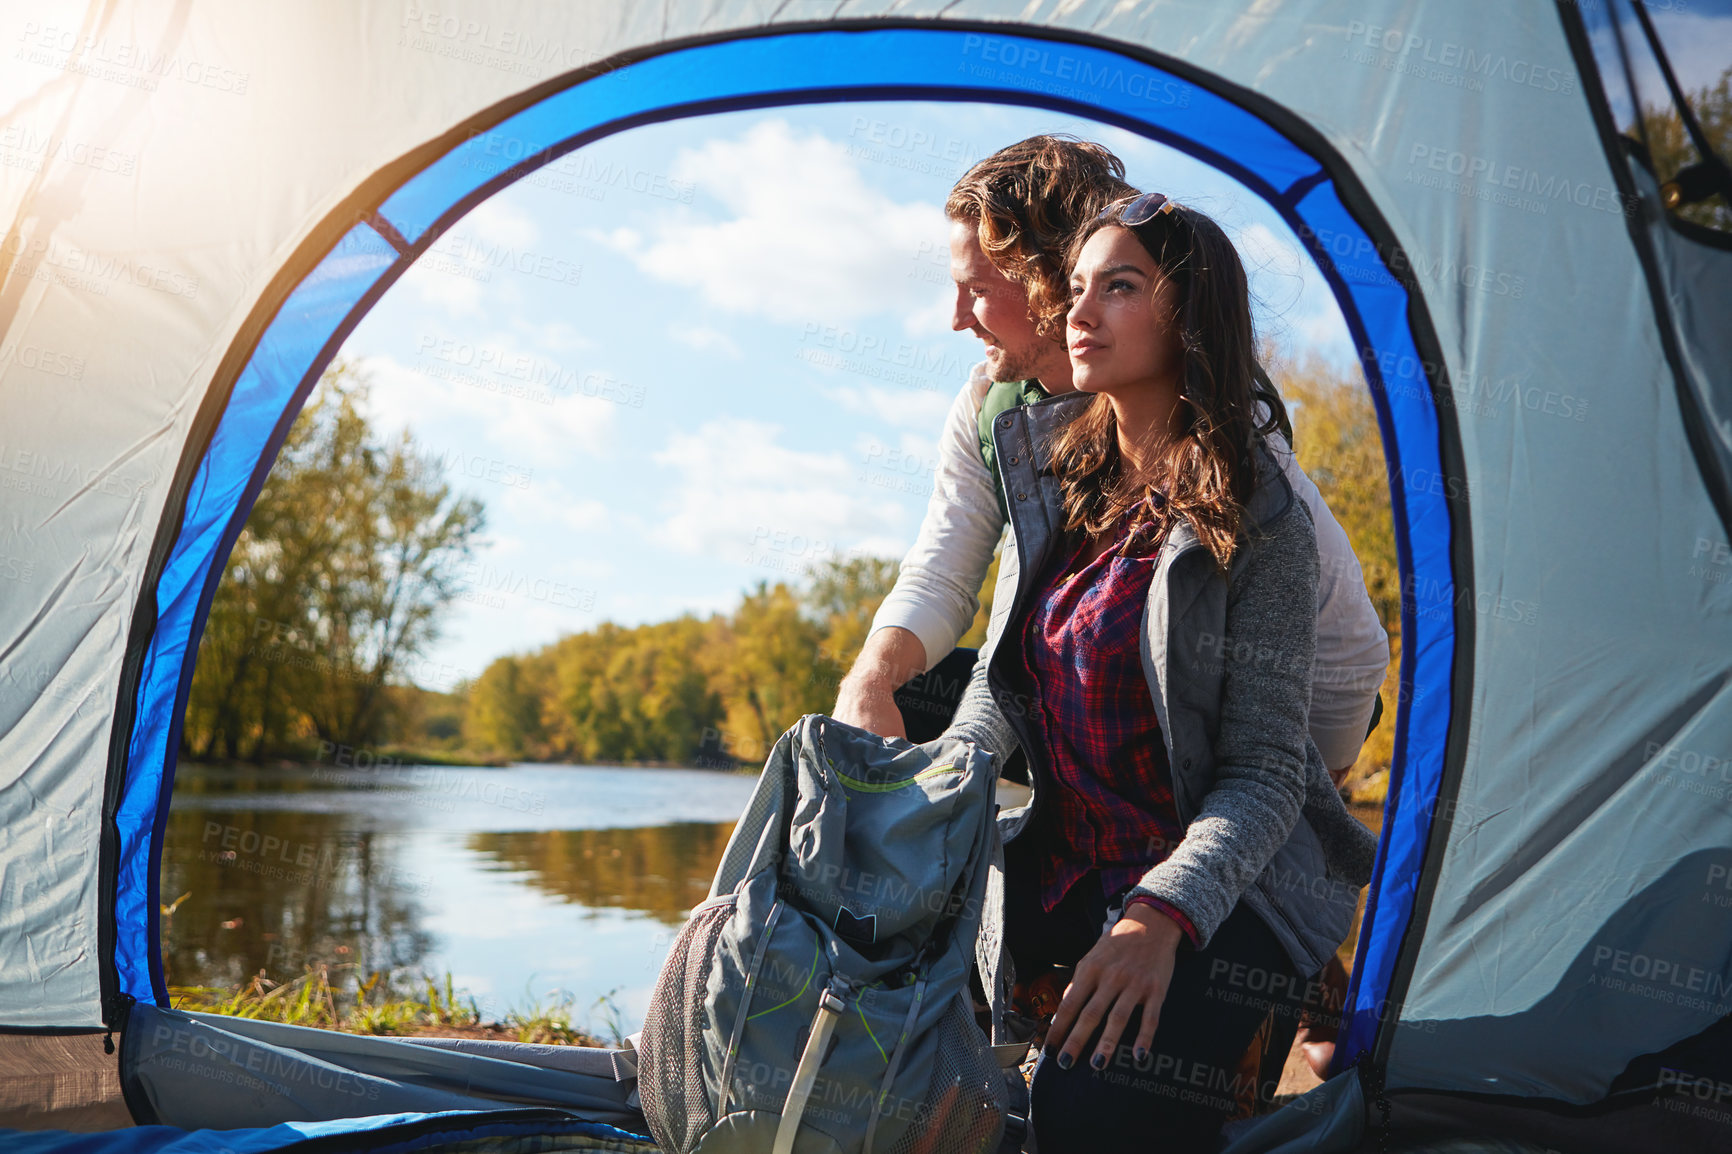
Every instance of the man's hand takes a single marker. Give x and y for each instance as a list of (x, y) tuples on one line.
[(866, 696), (1130, 966)]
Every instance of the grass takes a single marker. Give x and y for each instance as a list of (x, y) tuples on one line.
[(341, 998)]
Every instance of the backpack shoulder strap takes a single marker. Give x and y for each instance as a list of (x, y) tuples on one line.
[(991, 959)]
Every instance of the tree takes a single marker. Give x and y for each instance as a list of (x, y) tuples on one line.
[(761, 663), (334, 585), (1337, 441), (842, 598), (1671, 150), (1340, 448), (504, 713), (403, 537), (975, 636)]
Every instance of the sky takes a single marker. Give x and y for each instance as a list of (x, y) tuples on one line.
[(699, 355), (1696, 36)]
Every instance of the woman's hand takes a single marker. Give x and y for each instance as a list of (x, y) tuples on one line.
[(1130, 966)]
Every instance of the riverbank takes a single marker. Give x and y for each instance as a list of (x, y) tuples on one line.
[(339, 998), (345, 757), (331, 755)]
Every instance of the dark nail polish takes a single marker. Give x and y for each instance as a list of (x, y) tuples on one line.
[(1064, 1061), (1142, 1054), (1099, 1061)]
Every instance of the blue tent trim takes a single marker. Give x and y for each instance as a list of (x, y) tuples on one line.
[(1232, 129), (518, 1131)]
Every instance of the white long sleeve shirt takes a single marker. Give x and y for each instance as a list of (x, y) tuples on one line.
[(936, 592)]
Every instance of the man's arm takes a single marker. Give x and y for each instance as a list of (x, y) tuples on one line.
[(1352, 648), (935, 596), (866, 696)]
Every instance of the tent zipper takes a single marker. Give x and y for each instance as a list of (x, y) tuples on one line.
[(1371, 1080), (114, 1015)]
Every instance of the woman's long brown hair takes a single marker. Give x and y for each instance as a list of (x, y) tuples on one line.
[(1207, 473)]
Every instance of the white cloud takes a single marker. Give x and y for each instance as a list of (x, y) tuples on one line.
[(807, 238), (740, 492), (497, 221), (547, 504), (553, 337), (706, 340), (482, 410), (446, 283), (464, 263), (918, 409), (933, 316)]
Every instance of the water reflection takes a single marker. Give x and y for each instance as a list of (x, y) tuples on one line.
[(663, 871), (519, 881), (276, 891)]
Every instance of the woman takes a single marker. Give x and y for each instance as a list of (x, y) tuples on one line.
[(1185, 853)]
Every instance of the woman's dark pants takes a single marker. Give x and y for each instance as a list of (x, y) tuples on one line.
[(1179, 1096)]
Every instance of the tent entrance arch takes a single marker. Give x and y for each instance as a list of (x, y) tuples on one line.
[(364, 246)]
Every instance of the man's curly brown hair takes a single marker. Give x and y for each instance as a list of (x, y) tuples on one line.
[(1027, 202)]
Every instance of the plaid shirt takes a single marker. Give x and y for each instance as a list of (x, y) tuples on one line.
[(1112, 809)]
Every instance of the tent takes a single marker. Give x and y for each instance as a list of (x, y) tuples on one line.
[(201, 201)]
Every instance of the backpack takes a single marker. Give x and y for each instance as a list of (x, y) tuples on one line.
[(818, 1001)]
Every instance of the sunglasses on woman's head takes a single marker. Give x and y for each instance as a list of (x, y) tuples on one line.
[(1139, 209)]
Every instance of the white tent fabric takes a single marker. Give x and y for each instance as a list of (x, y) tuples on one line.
[(168, 173)]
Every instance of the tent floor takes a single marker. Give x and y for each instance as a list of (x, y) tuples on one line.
[(59, 1082)]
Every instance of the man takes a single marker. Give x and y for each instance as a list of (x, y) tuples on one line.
[(1011, 218)]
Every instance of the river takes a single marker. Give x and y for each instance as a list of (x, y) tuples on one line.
[(533, 886)]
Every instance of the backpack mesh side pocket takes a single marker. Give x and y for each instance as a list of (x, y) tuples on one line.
[(676, 1103), (966, 1099)]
